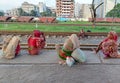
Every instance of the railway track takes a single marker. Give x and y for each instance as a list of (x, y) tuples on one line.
[(51, 46), (22, 33)]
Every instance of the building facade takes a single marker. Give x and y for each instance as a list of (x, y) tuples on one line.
[(77, 10), (42, 7), (85, 11), (65, 8), (82, 11), (13, 12), (104, 8), (27, 7)]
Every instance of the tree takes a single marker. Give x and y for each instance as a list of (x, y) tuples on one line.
[(47, 13), (115, 12), (22, 12), (1, 13), (53, 14), (93, 11), (33, 13), (43, 13)]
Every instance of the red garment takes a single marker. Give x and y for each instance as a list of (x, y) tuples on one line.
[(34, 44), (41, 35), (109, 45), (36, 33), (115, 36), (17, 50)]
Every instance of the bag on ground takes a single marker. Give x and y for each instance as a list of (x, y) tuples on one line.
[(78, 55), (70, 61)]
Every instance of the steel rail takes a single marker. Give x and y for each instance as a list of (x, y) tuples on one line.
[(50, 46), (22, 33)]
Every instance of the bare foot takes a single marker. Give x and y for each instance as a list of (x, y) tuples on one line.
[(94, 50), (62, 62), (118, 56), (112, 57)]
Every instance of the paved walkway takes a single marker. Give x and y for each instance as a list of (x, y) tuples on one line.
[(44, 68)]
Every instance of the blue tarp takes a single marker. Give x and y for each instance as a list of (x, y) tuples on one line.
[(62, 19)]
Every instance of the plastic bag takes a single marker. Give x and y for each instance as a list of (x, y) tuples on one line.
[(1, 54), (78, 55), (70, 61)]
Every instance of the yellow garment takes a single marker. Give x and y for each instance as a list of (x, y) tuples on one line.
[(6, 42), (10, 46), (75, 41), (69, 46)]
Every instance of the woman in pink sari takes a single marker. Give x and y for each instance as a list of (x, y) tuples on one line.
[(109, 46)]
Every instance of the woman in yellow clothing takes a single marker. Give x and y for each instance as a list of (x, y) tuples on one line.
[(69, 46)]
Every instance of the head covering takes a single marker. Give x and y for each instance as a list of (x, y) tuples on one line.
[(70, 44), (109, 45), (37, 33), (75, 41), (114, 34)]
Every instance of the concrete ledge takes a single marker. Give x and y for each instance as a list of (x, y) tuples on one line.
[(44, 57), (110, 61), (91, 57)]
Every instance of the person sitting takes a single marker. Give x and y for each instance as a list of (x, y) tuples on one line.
[(36, 42), (109, 46), (69, 46), (81, 34), (11, 47)]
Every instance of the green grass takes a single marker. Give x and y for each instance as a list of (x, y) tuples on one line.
[(52, 28)]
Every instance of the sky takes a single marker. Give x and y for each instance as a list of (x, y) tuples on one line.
[(9, 4)]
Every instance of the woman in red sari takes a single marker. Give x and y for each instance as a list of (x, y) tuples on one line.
[(109, 46)]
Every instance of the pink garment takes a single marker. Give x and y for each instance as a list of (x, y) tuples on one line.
[(109, 45)]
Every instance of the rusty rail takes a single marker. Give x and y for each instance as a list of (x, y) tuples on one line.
[(3, 32), (50, 46)]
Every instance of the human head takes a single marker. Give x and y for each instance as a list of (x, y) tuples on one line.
[(82, 29), (72, 42), (113, 35), (75, 41)]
